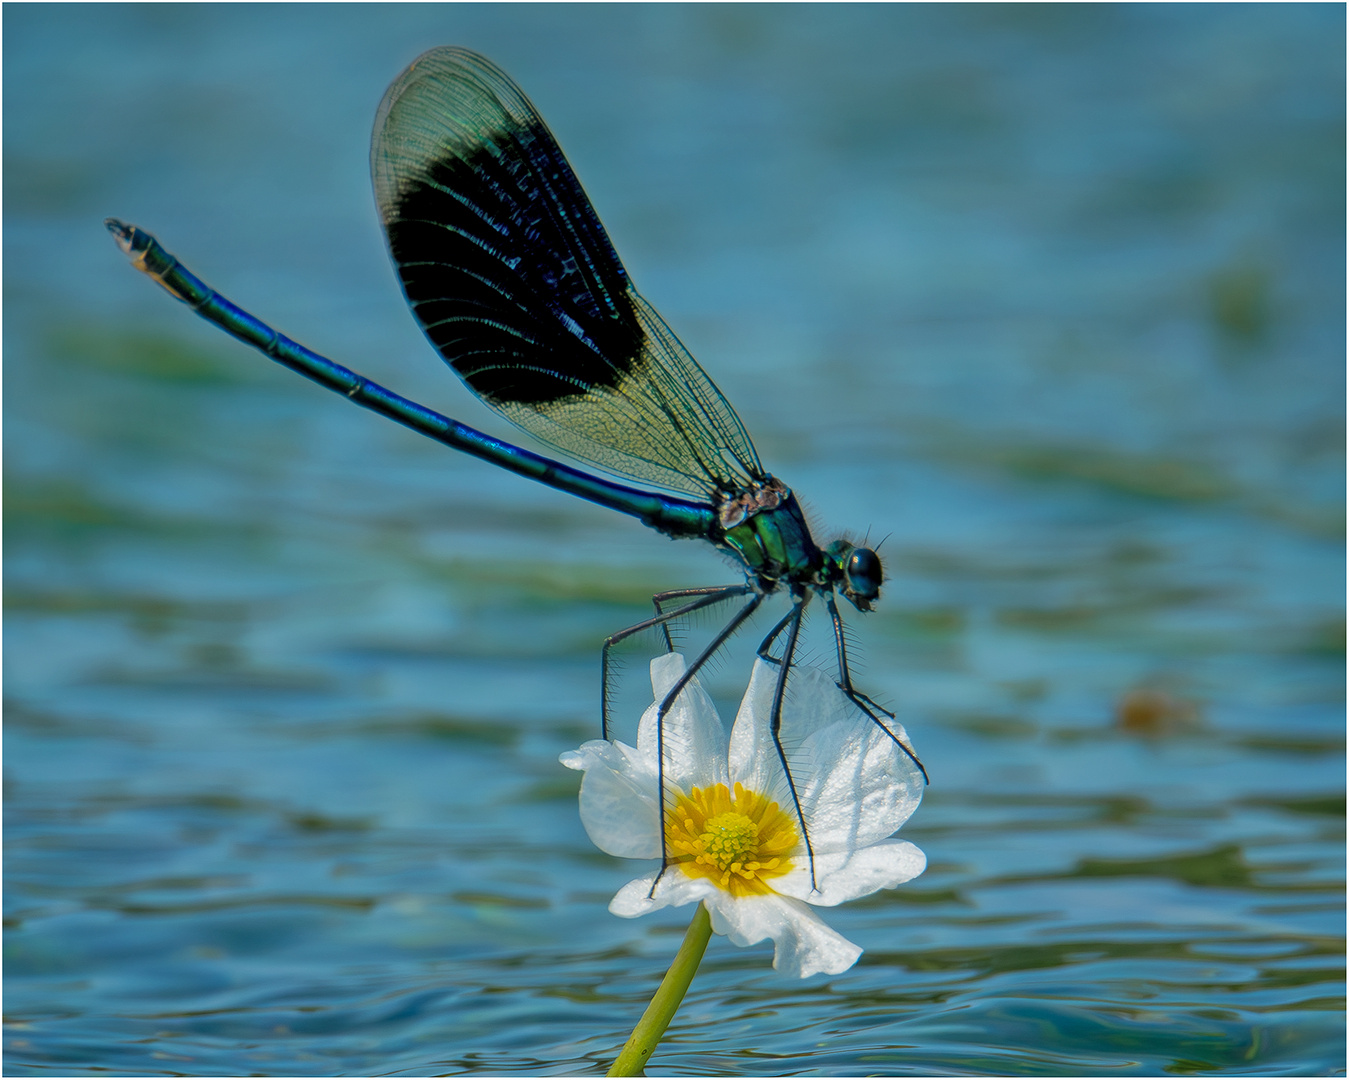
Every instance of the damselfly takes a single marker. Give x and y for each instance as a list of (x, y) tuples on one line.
[(516, 284)]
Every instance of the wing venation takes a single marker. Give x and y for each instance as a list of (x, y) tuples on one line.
[(515, 282)]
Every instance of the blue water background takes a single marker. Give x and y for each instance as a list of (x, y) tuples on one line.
[(1051, 299)]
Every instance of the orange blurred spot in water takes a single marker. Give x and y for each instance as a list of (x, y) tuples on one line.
[(1149, 711)]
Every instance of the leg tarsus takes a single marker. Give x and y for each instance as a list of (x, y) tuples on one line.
[(856, 696), (793, 620)]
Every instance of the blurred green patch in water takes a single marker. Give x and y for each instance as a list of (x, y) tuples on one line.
[(66, 510), (133, 352), (1240, 301)]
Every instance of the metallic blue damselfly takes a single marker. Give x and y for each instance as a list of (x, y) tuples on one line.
[(516, 284)]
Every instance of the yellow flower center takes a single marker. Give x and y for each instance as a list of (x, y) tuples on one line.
[(739, 841)]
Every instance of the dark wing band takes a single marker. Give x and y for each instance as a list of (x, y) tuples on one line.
[(514, 280)]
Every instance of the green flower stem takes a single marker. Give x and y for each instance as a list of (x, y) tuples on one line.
[(646, 1035)]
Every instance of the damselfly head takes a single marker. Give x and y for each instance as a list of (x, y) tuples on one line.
[(858, 573)]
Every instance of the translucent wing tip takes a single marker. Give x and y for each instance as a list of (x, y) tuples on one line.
[(437, 101)]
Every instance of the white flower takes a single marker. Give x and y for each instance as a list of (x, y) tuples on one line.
[(731, 830)]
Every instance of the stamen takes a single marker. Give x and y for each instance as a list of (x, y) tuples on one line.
[(739, 841)]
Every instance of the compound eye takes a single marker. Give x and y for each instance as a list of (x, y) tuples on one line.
[(864, 574)]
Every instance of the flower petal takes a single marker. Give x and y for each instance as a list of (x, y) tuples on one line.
[(675, 888), (803, 944), (692, 733), (841, 877), (855, 784), (753, 756), (618, 798)]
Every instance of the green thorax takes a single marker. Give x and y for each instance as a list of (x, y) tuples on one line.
[(765, 528)]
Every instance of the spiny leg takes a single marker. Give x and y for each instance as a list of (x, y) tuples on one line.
[(708, 596), (793, 622), (682, 594), (857, 697), (668, 701), (772, 636)]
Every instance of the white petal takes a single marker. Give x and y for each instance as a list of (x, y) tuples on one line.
[(869, 789), (618, 798), (855, 785), (692, 734), (841, 877), (803, 945), (675, 888), (754, 758)]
